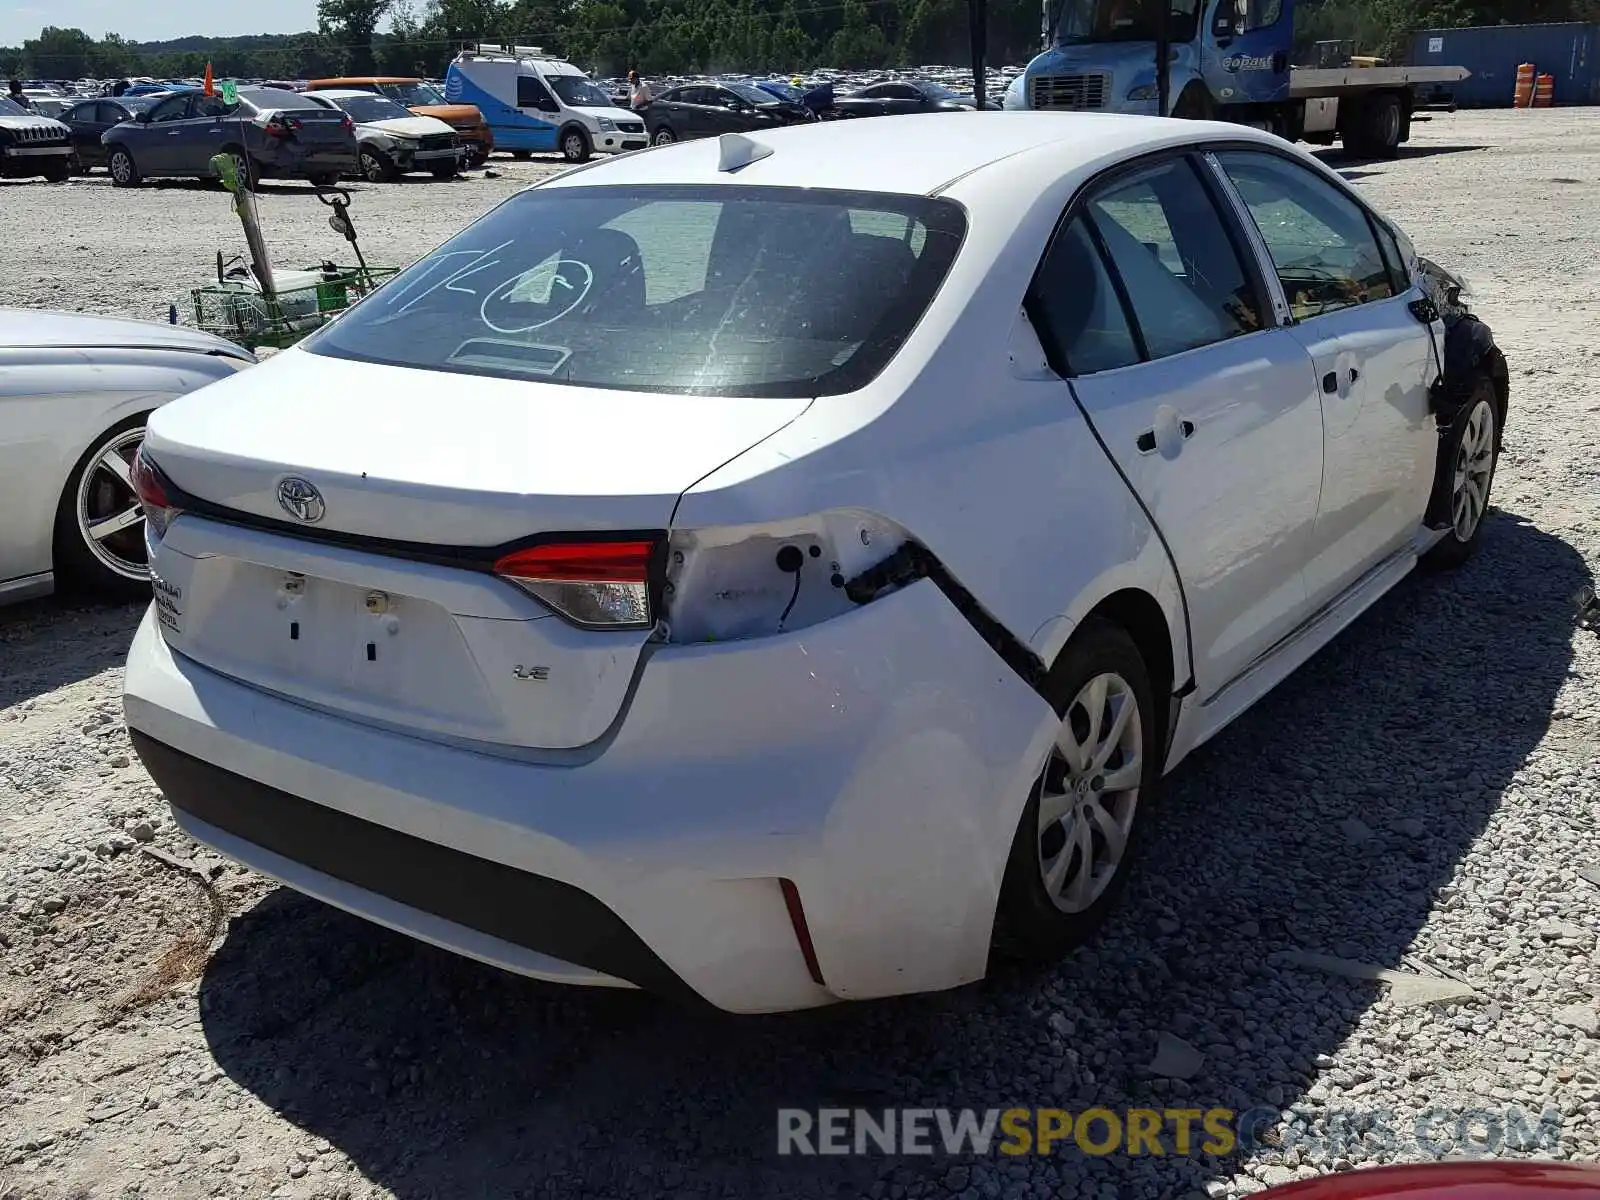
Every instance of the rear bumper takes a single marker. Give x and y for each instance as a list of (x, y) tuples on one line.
[(878, 761), (297, 161)]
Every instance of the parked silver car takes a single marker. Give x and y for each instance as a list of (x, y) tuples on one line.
[(74, 394)]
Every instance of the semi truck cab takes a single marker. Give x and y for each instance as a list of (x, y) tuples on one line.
[(1227, 60)]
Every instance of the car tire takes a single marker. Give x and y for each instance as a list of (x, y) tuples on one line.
[(522, 155), (1057, 888), (574, 143), (57, 171), (1468, 456), (663, 136), (376, 166), (112, 565), (243, 168), (124, 171), (324, 179), (443, 171), (476, 159)]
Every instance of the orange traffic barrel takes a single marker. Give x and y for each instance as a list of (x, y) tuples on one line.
[(1525, 84), (1544, 91)]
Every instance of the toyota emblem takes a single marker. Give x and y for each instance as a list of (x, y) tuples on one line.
[(301, 500)]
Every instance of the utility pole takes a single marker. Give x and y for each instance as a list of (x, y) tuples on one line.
[(1163, 57), (978, 14)]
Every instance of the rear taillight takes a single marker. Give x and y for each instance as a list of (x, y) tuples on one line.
[(598, 585), (346, 124), (729, 583), (150, 485), (281, 126)]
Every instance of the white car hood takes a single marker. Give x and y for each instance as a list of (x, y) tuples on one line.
[(28, 327), (406, 127)]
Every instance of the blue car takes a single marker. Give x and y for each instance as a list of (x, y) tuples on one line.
[(269, 133)]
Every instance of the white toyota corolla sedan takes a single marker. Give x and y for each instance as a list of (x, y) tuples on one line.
[(779, 569)]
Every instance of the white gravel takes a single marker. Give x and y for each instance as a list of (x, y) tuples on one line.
[(1422, 797)]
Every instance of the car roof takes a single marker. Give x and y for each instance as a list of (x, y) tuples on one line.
[(912, 155), (346, 80)]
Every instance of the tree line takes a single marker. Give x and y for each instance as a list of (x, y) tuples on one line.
[(682, 36)]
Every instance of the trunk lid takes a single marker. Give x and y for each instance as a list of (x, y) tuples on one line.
[(333, 614)]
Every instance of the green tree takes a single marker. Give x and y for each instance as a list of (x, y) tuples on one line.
[(859, 42), (351, 24), (59, 53)]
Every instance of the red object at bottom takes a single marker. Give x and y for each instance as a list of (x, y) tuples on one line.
[(1513, 1180)]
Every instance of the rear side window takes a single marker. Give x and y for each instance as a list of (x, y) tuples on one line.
[(719, 290), (1321, 243), (1173, 255), (1076, 310)]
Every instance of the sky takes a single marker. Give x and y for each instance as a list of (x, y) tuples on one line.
[(152, 22)]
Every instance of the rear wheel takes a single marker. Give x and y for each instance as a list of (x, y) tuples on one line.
[(124, 173), (376, 166), (1080, 828), (1467, 462), (663, 137), (1377, 127), (575, 144), (99, 531), (243, 170)]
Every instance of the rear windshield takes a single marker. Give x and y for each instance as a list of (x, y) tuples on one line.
[(278, 98), (719, 290), (373, 108)]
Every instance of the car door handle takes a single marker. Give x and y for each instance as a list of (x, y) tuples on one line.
[(1147, 439), (1330, 382)]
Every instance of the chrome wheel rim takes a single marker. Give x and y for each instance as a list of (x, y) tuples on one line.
[(120, 166), (664, 137), (110, 521), (1474, 469), (1089, 793)]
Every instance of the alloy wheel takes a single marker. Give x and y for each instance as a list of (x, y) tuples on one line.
[(572, 147), (1474, 471), (1089, 793), (121, 166), (664, 137), (110, 520), (371, 169)]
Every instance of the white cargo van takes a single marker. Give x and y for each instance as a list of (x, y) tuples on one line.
[(533, 102)]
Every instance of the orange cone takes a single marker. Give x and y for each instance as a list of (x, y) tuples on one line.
[(210, 87)]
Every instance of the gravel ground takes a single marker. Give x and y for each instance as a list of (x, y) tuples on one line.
[(1421, 797)]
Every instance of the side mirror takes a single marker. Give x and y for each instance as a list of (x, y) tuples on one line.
[(1226, 23), (142, 116)]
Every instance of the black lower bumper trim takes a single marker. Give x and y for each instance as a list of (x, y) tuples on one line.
[(540, 914)]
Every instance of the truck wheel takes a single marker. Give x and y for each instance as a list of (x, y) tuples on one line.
[(574, 144), (1376, 129), (1194, 104)]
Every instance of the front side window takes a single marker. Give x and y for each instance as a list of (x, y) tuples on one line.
[(1075, 308), (1262, 14), (579, 91), (531, 93), (1321, 244), (1174, 257), (711, 290), (174, 109)]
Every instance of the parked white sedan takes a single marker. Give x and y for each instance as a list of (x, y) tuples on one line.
[(780, 570), (74, 394), (391, 139)]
